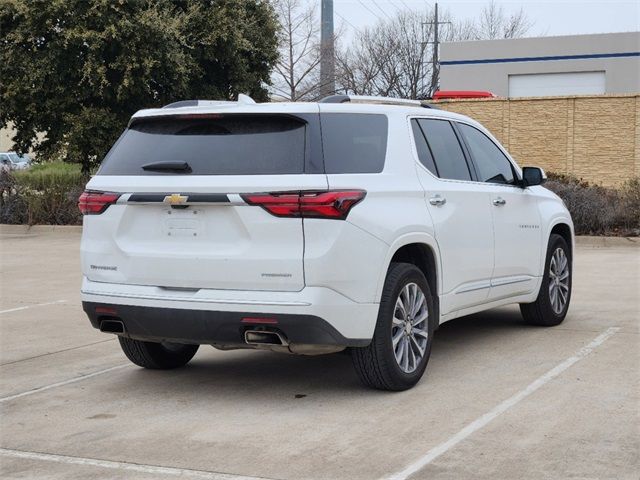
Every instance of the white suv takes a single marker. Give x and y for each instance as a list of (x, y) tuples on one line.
[(355, 222)]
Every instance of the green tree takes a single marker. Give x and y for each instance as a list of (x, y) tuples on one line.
[(75, 70)]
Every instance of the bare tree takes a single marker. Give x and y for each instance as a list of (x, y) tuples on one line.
[(459, 31), (392, 57), (387, 59), (518, 25), (495, 23), (296, 75)]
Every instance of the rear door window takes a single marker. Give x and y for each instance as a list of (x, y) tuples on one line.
[(211, 145), (446, 149), (354, 142), (424, 153), (492, 165)]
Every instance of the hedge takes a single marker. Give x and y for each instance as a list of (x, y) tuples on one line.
[(44, 194)]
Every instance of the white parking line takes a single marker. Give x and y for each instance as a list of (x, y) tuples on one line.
[(480, 422), (132, 467), (17, 309), (60, 384)]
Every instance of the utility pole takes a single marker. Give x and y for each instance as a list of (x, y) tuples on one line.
[(436, 41), (435, 70), (327, 60)]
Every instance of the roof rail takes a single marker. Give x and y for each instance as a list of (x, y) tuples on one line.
[(197, 103), (242, 99), (374, 99), (335, 99)]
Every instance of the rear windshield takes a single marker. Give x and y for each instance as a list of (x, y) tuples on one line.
[(216, 145), (354, 142)]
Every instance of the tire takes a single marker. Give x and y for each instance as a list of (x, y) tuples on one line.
[(549, 310), (157, 356), (376, 364)]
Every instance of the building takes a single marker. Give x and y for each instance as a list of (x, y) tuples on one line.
[(5, 139), (544, 66)]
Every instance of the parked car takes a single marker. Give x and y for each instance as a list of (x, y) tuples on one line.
[(357, 222), (6, 165), (14, 161)]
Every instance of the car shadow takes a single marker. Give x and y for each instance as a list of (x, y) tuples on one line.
[(471, 328), (264, 373)]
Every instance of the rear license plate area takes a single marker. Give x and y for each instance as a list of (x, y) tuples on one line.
[(182, 223)]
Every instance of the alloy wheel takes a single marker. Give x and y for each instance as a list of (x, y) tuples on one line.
[(559, 281), (409, 331)]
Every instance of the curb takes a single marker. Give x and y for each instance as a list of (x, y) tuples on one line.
[(603, 242), (35, 229)]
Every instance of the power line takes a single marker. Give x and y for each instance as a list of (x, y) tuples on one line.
[(395, 6), (349, 23), (370, 11), (379, 8)]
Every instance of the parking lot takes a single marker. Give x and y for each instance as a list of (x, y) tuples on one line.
[(499, 400)]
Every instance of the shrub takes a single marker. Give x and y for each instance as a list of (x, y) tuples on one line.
[(12, 205), (598, 210), (48, 194), (631, 202), (45, 194)]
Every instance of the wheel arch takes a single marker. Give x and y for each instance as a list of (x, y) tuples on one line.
[(564, 230), (422, 251), (563, 226)]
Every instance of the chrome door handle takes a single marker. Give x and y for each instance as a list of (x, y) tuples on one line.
[(437, 201), (499, 201)]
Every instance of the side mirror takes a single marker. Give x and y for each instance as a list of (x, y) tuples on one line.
[(532, 176)]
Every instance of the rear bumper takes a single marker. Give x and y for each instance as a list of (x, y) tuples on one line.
[(313, 316)]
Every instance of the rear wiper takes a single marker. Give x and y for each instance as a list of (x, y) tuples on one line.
[(181, 167)]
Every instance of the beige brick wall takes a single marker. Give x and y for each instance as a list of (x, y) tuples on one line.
[(596, 138), (5, 139)]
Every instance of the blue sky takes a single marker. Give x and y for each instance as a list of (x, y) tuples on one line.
[(550, 17)]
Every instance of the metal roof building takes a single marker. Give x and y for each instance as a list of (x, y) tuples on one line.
[(544, 66)]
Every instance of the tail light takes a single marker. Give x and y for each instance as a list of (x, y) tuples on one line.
[(334, 204), (94, 203)]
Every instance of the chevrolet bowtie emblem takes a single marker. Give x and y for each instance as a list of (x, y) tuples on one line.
[(175, 199)]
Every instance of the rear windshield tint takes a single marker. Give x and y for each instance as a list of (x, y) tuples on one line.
[(354, 143), (222, 145)]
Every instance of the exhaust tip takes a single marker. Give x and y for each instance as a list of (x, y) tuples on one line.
[(264, 337), (112, 326)]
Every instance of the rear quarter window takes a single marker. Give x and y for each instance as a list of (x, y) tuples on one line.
[(447, 153), (424, 153), (211, 145), (354, 142)]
